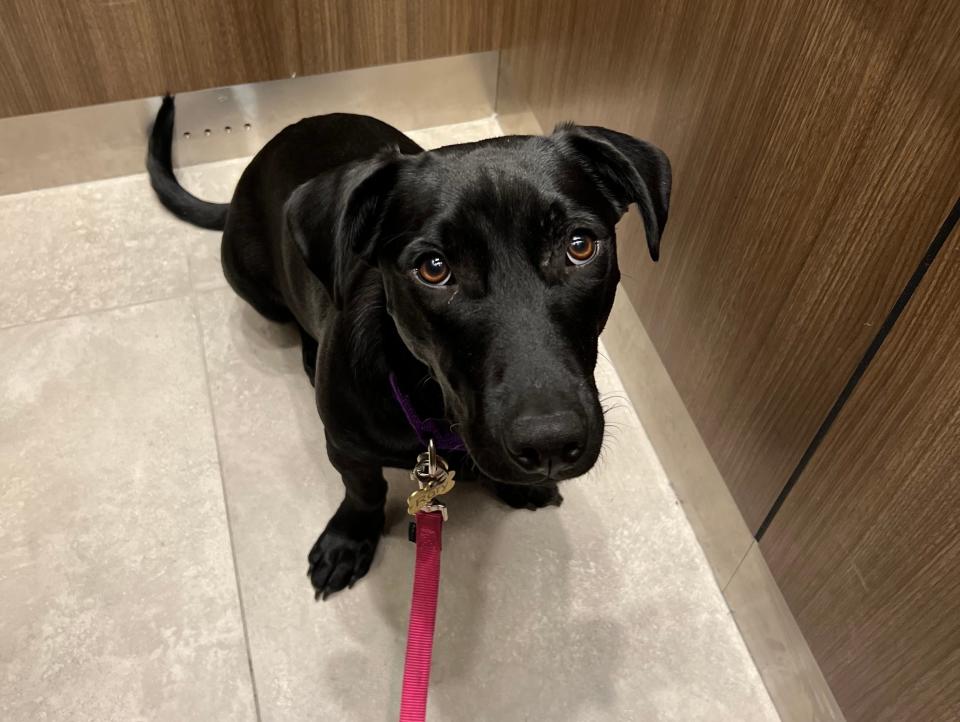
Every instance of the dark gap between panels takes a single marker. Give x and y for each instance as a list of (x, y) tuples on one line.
[(882, 333)]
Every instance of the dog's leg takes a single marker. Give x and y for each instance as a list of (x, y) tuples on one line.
[(344, 551), (526, 496), (309, 344)]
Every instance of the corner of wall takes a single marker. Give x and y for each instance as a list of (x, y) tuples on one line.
[(784, 661)]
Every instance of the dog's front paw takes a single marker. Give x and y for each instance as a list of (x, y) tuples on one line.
[(528, 496), (344, 551)]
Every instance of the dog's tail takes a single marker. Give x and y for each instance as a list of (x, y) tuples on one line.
[(160, 167)]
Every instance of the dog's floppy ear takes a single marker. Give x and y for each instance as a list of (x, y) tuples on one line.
[(335, 218), (628, 171)]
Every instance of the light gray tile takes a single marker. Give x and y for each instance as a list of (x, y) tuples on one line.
[(119, 597), (73, 249), (604, 609), (212, 182), (796, 684), (99, 245), (697, 482)]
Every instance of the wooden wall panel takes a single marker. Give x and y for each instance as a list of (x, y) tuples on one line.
[(344, 34), (815, 151), (58, 54), (867, 546), (64, 53)]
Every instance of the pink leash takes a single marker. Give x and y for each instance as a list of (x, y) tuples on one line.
[(423, 614)]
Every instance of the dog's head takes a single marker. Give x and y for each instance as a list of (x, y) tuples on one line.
[(499, 265)]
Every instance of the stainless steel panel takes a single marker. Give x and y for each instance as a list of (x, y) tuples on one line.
[(102, 141)]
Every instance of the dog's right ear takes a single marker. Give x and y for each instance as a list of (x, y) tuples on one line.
[(335, 219)]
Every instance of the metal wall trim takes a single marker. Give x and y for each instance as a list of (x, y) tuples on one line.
[(104, 141)]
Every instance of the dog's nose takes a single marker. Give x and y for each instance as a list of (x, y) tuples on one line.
[(547, 443)]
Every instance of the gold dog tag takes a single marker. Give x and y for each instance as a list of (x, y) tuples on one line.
[(433, 477), (422, 498)]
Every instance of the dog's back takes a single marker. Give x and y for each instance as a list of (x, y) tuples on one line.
[(296, 154), (258, 260)]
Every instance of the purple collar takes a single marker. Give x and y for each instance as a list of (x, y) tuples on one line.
[(439, 430)]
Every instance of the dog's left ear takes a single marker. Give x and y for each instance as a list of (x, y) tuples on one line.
[(628, 171), (335, 219)]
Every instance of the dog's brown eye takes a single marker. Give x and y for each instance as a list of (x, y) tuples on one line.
[(433, 270), (581, 249)]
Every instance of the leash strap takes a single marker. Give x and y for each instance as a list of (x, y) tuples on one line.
[(423, 615)]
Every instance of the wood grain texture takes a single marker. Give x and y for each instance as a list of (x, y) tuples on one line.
[(65, 53), (344, 34), (58, 54), (815, 149), (867, 546)]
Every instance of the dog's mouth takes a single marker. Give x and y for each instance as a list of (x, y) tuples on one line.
[(544, 480), (494, 460), (533, 433)]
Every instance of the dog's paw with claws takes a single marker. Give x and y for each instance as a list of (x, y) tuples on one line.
[(344, 551), (528, 496)]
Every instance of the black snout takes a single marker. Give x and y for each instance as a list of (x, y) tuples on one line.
[(547, 443)]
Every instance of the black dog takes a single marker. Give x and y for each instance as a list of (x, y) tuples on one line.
[(470, 283)]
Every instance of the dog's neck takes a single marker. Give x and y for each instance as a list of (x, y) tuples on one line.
[(426, 428)]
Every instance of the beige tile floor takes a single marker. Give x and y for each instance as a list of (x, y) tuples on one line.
[(162, 477)]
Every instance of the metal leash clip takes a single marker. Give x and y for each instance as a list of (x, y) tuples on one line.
[(434, 478)]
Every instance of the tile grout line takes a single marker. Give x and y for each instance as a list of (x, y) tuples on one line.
[(760, 669), (94, 311), (226, 507), (723, 589), (743, 637)]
